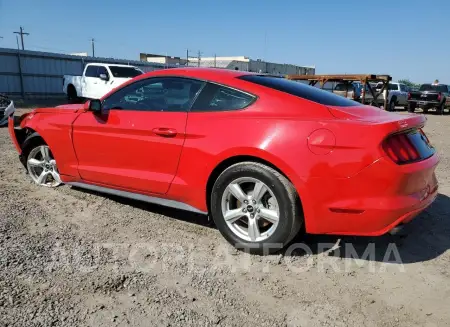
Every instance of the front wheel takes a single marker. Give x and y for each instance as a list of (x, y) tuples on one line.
[(41, 166), (411, 107), (391, 105), (255, 208), (440, 109)]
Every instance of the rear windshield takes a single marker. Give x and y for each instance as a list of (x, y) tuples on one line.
[(343, 87), (300, 90), (124, 72), (435, 88), (393, 87)]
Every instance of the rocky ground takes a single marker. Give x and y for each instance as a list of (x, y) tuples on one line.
[(73, 258)]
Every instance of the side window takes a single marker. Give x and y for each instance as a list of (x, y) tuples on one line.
[(221, 98), (155, 94), (102, 70), (92, 71)]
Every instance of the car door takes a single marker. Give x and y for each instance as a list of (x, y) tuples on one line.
[(90, 82), (136, 142), (103, 83)]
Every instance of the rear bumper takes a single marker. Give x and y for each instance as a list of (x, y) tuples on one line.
[(422, 103), (373, 202)]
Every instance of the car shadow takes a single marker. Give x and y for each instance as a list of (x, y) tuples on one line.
[(187, 216), (423, 239)]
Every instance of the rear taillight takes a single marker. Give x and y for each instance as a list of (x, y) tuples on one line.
[(409, 95), (400, 149), (439, 96)]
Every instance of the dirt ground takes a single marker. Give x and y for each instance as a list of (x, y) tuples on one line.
[(74, 258)]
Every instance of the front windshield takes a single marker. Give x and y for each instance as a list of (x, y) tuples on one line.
[(124, 72)]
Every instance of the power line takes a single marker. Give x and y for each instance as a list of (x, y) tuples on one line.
[(22, 33)]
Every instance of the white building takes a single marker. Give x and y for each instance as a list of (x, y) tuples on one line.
[(257, 66)]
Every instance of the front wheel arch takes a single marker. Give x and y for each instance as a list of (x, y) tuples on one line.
[(32, 140)]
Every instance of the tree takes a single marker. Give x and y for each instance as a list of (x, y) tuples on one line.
[(409, 84)]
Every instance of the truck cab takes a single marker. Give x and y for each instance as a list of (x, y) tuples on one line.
[(97, 80)]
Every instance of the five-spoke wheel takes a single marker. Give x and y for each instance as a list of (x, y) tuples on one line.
[(255, 207), (42, 167)]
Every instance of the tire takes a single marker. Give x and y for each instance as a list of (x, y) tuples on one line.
[(425, 110), (440, 109), (411, 107), (278, 198), (392, 104), (72, 96), (40, 162)]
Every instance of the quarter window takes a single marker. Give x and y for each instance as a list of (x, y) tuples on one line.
[(155, 94), (221, 98)]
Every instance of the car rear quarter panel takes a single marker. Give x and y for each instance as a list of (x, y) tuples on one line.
[(279, 137), (55, 129)]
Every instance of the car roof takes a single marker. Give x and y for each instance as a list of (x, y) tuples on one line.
[(106, 64), (196, 72)]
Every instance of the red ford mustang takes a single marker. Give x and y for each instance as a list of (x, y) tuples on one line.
[(261, 154)]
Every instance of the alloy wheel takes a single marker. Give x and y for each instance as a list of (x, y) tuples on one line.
[(42, 167), (250, 209)]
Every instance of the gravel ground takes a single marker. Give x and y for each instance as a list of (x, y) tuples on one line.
[(73, 258)]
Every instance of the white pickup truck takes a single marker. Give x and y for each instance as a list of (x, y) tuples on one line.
[(97, 80), (398, 95)]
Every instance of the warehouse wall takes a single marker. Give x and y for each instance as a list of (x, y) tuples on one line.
[(39, 74)]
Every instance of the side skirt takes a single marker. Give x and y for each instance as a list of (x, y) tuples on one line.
[(139, 197)]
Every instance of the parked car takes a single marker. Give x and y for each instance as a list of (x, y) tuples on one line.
[(353, 91), (262, 155), (430, 96), (348, 90), (398, 95), (6, 109), (97, 80)]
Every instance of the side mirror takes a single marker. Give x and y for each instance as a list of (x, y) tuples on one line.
[(104, 77), (94, 105)]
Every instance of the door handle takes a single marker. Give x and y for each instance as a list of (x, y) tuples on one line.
[(166, 132)]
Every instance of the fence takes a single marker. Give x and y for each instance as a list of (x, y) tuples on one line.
[(34, 74)]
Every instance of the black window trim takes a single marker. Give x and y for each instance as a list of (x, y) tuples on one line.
[(281, 77), (205, 81), (254, 98), (157, 78)]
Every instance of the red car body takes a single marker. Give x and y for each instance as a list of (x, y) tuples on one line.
[(334, 156)]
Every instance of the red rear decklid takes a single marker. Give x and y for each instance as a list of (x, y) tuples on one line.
[(369, 114)]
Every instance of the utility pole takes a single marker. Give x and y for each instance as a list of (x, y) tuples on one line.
[(199, 57), (215, 58), (22, 33), (93, 47)]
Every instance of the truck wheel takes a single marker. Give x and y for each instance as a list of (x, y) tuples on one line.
[(392, 104), (440, 109), (71, 94), (425, 110), (411, 107)]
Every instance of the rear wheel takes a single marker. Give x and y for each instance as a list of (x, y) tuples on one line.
[(41, 166), (255, 208), (72, 94)]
